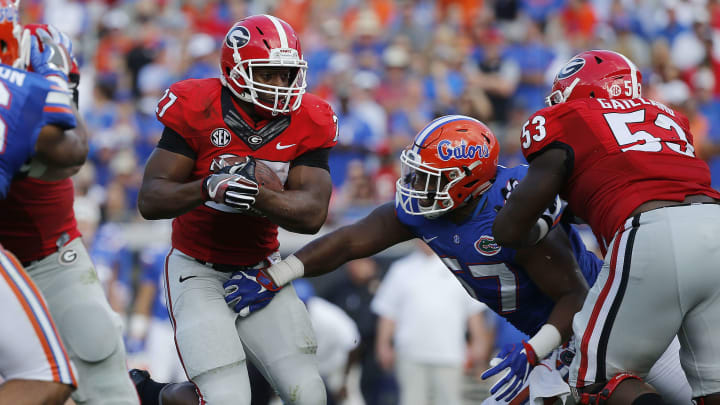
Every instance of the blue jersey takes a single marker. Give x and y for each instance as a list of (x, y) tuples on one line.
[(488, 271), (29, 102)]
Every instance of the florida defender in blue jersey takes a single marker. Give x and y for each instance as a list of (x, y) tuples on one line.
[(38, 136), (450, 190)]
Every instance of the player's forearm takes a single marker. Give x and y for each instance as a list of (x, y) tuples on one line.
[(324, 255), (59, 149), (82, 134), (558, 328), (517, 235), (296, 211), (370, 235), (331, 251), (72, 150), (562, 314), (159, 198)]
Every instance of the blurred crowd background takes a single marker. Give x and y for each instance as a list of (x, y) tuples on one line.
[(387, 68)]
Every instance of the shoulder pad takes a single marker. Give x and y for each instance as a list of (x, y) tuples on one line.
[(318, 109), (180, 104), (322, 115), (547, 126)]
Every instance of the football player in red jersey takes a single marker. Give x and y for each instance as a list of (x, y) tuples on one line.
[(38, 225), (225, 222), (627, 166)]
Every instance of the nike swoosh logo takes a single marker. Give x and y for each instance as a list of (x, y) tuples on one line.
[(212, 191), (281, 147), (428, 240), (186, 278)]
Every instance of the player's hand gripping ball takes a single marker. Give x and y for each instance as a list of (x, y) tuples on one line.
[(263, 174), (237, 180)]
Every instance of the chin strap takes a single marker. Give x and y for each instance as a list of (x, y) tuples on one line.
[(601, 397)]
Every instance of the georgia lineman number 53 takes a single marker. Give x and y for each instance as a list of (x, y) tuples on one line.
[(639, 140)]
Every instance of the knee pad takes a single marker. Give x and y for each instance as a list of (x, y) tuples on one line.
[(598, 394), (651, 398), (91, 331)]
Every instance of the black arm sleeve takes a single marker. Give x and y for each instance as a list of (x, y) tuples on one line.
[(174, 142), (314, 158)]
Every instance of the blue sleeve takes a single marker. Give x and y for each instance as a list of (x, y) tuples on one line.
[(58, 108)]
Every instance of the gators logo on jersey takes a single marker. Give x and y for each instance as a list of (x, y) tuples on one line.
[(486, 246)]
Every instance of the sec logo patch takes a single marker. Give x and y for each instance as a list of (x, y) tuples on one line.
[(68, 256), (220, 137), (486, 246)]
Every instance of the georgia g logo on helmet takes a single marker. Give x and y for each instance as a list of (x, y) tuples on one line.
[(571, 68), (237, 37)]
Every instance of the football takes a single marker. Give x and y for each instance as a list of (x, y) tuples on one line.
[(266, 177), (264, 174)]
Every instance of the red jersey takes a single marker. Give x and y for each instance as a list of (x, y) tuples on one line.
[(35, 215), (621, 154), (207, 117)]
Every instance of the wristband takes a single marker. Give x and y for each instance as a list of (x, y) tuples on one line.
[(532, 357), (286, 270), (545, 341)]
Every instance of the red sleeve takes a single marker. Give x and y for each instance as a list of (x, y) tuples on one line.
[(550, 128), (542, 130), (172, 111), (325, 120)]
